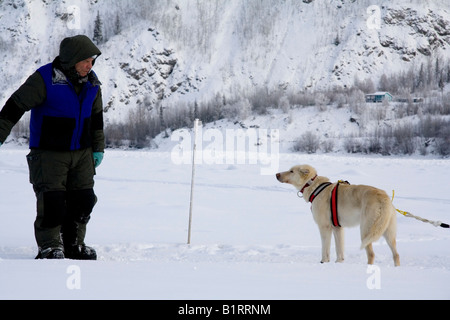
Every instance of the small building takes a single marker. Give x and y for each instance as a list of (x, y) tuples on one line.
[(378, 97)]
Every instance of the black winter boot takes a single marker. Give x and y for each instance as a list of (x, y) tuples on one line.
[(73, 238), (73, 231), (80, 252), (50, 253)]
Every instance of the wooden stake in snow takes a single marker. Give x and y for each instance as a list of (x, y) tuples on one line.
[(196, 124)]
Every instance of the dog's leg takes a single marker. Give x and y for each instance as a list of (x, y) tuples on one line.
[(395, 254), (339, 240), (390, 235), (325, 235), (370, 254)]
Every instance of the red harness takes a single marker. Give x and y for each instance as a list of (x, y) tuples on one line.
[(334, 206), (333, 200)]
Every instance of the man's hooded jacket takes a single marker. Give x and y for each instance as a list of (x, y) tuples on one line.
[(66, 110)]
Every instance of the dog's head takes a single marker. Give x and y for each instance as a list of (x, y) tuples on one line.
[(298, 176)]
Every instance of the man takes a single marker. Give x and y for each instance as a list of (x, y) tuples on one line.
[(66, 145)]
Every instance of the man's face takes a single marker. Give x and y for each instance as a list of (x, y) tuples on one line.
[(84, 67)]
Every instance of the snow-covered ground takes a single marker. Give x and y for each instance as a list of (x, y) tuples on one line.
[(252, 237)]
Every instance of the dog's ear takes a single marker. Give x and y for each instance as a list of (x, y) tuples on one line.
[(304, 171)]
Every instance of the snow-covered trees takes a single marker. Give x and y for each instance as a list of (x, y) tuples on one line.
[(98, 30)]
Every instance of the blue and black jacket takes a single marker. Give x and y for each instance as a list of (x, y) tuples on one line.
[(66, 110), (63, 122), (64, 116)]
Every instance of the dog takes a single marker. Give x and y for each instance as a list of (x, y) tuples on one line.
[(362, 205)]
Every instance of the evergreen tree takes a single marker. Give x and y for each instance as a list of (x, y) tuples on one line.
[(448, 73), (162, 123), (441, 83), (421, 79), (196, 113), (384, 83), (98, 34), (117, 25), (437, 70), (337, 41)]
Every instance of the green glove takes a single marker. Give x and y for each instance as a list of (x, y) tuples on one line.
[(98, 157)]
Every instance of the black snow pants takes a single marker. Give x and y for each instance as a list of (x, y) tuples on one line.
[(63, 182)]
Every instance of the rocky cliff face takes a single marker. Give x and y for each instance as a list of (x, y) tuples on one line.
[(424, 32)]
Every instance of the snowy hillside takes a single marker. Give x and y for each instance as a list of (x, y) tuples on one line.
[(169, 51)]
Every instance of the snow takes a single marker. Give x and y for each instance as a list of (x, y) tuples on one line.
[(252, 237)]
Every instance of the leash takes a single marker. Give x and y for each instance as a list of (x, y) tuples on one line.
[(410, 215)]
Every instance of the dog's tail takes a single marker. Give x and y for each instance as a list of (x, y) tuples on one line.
[(375, 224)]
